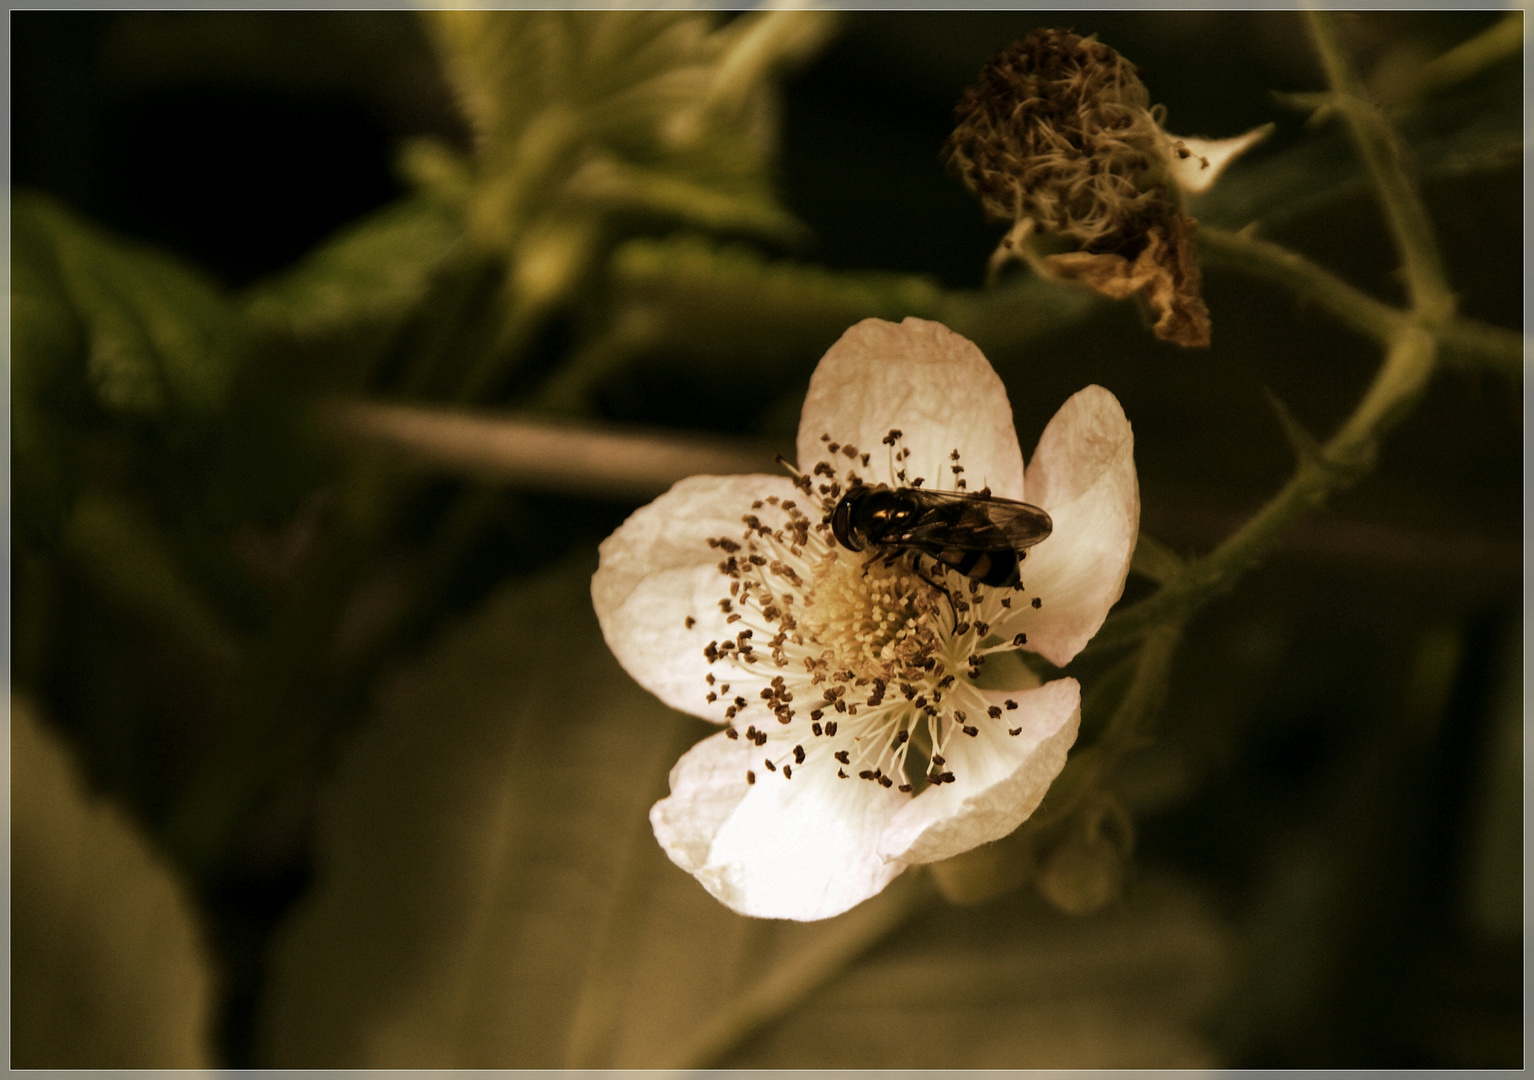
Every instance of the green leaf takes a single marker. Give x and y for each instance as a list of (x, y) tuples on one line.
[(108, 970), (123, 552), (374, 272), (614, 187), (489, 891), (160, 341), (651, 110), (699, 294), (47, 343)]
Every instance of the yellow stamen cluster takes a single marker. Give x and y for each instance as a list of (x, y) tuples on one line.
[(873, 616)]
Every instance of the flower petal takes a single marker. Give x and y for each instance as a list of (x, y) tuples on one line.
[(1198, 169), (657, 570), (1083, 473), (777, 849), (1000, 779), (934, 385)]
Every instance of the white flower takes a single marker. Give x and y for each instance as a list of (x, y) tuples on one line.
[(868, 725)]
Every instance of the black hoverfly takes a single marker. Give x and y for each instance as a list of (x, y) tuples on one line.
[(978, 534)]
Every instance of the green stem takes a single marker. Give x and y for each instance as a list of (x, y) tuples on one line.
[(1400, 381), (1380, 150), (1501, 41), (1471, 341), (1304, 278), (1467, 340)]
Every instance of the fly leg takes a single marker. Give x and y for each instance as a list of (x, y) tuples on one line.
[(953, 605)]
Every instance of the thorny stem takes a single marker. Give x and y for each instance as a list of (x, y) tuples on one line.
[(1376, 141), (1409, 359), (1304, 278), (1411, 340), (1467, 340), (1346, 457)]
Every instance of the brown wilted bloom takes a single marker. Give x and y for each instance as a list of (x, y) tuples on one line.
[(1060, 138)]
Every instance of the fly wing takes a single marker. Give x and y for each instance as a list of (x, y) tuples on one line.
[(1022, 523), (957, 519)]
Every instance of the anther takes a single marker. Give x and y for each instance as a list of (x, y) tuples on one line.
[(750, 777), (1037, 603)]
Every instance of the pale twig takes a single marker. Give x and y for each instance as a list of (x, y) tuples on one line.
[(536, 454)]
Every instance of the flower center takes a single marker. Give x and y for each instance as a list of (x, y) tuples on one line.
[(872, 615), (848, 660)]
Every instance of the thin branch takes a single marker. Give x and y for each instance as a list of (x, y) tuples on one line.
[(539, 454), (1380, 150), (1346, 457), (1315, 283), (1501, 41), (1469, 340), (1474, 342)]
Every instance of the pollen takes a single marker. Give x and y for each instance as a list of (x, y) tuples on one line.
[(874, 618)]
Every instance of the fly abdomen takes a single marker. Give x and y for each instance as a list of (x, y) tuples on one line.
[(995, 568)]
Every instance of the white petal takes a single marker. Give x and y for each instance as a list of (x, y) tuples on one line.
[(934, 385), (777, 849), (999, 779), (1083, 473), (657, 569), (1197, 163)]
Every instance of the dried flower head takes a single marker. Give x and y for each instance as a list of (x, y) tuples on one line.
[(1061, 130), (1060, 138)]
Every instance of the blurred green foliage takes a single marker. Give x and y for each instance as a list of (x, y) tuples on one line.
[(363, 710)]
